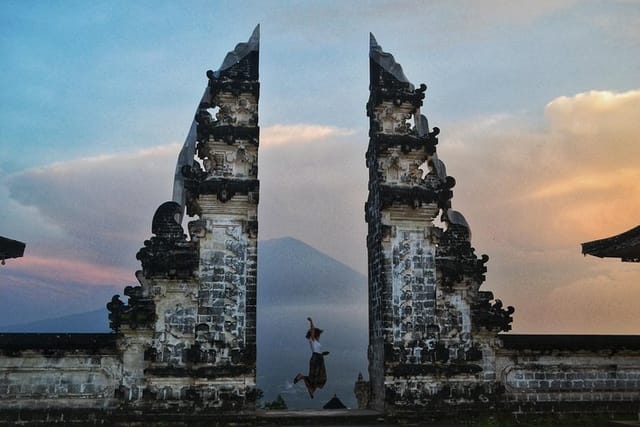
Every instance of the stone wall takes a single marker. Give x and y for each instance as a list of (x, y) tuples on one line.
[(45, 376), (570, 373), (227, 286)]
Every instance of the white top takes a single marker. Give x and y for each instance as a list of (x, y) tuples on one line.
[(316, 347)]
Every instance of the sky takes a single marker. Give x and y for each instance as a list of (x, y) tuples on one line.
[(538, 105)]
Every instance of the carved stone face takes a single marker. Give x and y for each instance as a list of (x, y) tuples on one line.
[(393, 119)]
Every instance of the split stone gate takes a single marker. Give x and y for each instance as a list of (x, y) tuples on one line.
[(184, 344)]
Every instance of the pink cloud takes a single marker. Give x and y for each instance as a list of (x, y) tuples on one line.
[(299, 134), (66, 270)]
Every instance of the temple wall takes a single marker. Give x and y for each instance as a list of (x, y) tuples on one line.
[(554, 379), (47, 377), (34, 380)]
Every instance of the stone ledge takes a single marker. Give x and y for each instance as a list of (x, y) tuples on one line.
[(90, 343), (320, 417), (570, 342)]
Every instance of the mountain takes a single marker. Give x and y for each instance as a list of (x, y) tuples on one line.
[(290, 271), (25, 298), (295, 281), (96, 321)]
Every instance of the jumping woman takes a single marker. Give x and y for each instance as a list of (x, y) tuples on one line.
[(317, 377)]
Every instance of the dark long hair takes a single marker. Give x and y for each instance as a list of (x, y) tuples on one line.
[(318, 331)]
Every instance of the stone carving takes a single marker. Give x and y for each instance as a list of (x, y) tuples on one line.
[(425, 326), (393, 120), (362, 392), (233, 110), (197, 297), (387, 62), (413, 293), (225, 132), (224, 194), (138, 312), (492, 316), (222, 295), (168, 253), (242, 62)]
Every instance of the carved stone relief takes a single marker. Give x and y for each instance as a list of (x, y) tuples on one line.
[(222, 304), (413, 292), (393, 119), (241, 110), (222, 160)]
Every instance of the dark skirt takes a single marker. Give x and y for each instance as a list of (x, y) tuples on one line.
[(317, 372)]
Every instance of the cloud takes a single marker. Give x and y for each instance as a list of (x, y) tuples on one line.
[(606, 302), (277, 135), (88, 217), (99, 208), (22, 222), (314, 189), (594, 182), (70, 270), (532, 196), (483, 15), (619, 19), (596, 114), (335, 19), (84, 220)]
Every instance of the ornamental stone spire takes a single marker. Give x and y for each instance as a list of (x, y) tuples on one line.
[(188, 332)]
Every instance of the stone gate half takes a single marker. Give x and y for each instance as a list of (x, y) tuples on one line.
[(199, 338), (431, 330)]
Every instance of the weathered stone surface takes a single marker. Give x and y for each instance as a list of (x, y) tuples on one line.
[(423, 281), (569, 373), (58, 371), (200, 350), (168, 253)]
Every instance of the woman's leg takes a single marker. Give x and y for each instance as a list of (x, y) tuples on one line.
[(310, 388)]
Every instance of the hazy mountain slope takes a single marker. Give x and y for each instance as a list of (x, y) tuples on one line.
[(296, 281), (25, 299), (292, 271), (90, 321)]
